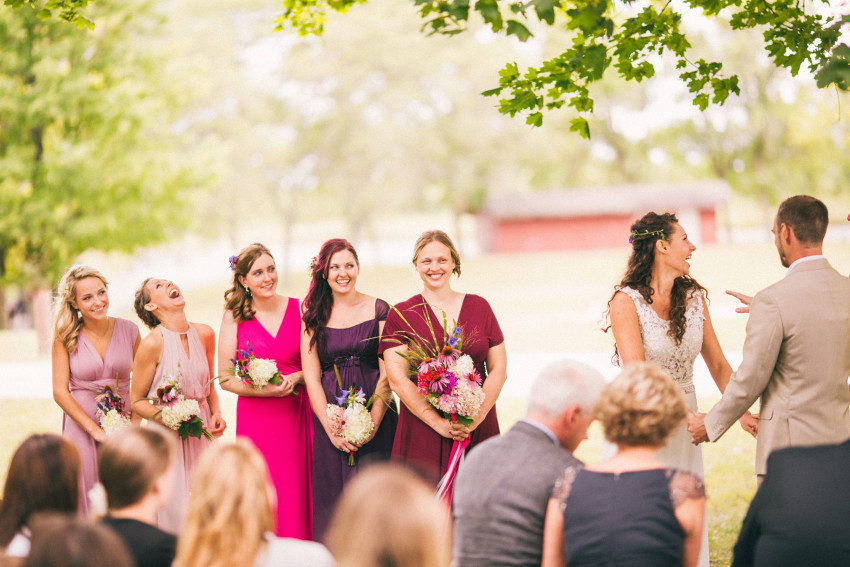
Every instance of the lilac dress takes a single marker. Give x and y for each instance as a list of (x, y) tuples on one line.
[(281, 427), (192, 373), (89, 375), (354, 351)]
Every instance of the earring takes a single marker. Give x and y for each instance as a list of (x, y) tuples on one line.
[(247, 290)]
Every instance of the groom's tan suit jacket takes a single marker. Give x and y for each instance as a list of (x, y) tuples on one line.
[(797, 360)]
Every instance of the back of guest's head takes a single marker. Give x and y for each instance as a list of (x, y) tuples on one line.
[(230, 508), (641, 407), (60, 540), (563, 384), (806, 216), (130, 463), (43, 476), (389, 517)]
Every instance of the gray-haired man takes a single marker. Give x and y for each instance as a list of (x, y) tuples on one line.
[(502, 488)]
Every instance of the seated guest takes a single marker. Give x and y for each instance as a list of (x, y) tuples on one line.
[(504, 485), (61, 540), (230, 520), (44, 476), (389, 517), (800, 514), (629, 510), (135, 469)]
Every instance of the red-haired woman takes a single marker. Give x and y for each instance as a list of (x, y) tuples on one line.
[(341, 330)]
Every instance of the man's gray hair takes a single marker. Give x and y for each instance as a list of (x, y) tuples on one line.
[(563, 384)]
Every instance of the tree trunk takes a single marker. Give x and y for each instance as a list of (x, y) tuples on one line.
[(4, 312), (41, 319)]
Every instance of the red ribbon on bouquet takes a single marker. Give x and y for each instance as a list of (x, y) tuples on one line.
[(445, 488)]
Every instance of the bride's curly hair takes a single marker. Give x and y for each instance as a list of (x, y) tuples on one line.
[(645, 232)]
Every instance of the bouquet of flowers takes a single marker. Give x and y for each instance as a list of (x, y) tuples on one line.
[(255, 371), (350, 418), (178, 413), (110, 409), (448, 380)]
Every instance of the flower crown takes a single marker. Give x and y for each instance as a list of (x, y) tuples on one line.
[(636, 235), (233, 260)]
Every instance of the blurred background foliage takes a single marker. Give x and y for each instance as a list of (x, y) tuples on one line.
[(170, 116)]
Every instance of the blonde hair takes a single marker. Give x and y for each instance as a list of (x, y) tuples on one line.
[(388, 516), (430, 236), (641, 407), (67, 320), (130, 462), (230, 508)]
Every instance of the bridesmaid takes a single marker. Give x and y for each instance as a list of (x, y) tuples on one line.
[(183, 351), (423, 438), (276, 418), (89, 350), (342, 327)]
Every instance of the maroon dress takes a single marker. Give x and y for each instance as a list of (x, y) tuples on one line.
[(415, 443)]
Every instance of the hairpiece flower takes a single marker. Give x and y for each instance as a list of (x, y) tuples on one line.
[(313, 261), (635, 235), (233, 260)]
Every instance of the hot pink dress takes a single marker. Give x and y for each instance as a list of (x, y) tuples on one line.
[(192, 373), (89, 374), (281, 428)]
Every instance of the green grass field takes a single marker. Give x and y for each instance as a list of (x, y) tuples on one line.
[(546, 303)]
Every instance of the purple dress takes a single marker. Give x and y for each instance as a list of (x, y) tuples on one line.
[(89, 374), (416, 444), (354, 351), (192, 373), (281, 428)]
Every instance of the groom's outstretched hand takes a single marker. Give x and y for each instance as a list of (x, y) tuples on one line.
[(696, 427), (745, 299)]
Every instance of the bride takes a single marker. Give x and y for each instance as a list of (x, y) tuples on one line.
[(658, 313)]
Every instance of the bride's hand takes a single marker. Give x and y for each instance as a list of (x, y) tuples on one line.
[(750, 423)]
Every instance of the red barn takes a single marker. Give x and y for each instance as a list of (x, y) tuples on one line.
[(573, 219)]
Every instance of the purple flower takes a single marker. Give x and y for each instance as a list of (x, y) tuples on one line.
[(232, 261), (455, 338), (341, 399)]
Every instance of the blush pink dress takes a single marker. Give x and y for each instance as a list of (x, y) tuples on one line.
[(89, 374), (192, 373), (281, 428)]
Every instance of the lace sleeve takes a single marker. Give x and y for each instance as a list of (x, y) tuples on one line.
[(564, 485), (684, 486)]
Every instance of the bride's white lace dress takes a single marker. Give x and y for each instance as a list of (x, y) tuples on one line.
[(678, 360)]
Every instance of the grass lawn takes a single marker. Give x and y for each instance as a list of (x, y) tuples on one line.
[(729, 464)]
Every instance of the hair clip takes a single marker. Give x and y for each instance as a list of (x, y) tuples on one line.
[(233, 260), (659, 233)]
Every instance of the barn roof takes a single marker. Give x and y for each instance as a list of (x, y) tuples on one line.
[(612, 200)]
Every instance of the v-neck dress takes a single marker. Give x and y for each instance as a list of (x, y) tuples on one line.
[(89, 374), (354, 351), (192, 373), (416, 444), (281, 428)]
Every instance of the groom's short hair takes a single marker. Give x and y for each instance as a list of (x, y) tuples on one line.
[(806, 216)]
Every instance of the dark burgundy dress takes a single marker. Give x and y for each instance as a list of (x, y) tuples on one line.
[(416, 444), (354, 351)]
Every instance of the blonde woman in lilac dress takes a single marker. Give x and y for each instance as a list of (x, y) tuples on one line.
[(90, 351), (175, 349)]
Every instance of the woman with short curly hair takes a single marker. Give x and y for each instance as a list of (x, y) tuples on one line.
[(630, 509)]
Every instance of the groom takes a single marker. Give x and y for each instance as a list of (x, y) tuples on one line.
[(797, 350)]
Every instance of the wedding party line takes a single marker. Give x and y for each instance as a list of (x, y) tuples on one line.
[(367, 433)]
